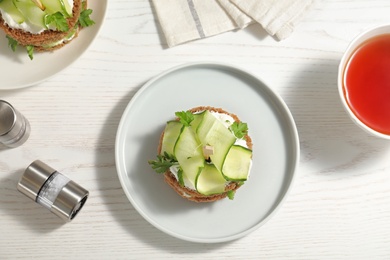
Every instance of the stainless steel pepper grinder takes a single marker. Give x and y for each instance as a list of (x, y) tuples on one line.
[(52, 190), (14, 127)]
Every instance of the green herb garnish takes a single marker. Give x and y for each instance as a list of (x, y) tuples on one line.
[(180, 177), (239, 129), (30, 51), (59, 21), (12, 43), (163, 162), (85, 19), (186, 117), (231, 194)]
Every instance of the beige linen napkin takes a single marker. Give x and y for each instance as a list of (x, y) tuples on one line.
[(187, 20), (240, 18), (277, 17)]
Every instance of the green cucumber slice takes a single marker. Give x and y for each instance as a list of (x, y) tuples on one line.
[(9, 8), (67, 8), (171, 134), (188, 153), (53, 6), (210, 181), (237, 163), (212, 132), (31, 12), (197, 120)]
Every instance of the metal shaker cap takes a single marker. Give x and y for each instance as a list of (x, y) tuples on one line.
[(14, 127), (52, 190)]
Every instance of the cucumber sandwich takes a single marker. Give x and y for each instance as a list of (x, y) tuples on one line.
[(205, 154), (43, 25)]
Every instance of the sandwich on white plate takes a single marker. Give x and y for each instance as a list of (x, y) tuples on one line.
[(43, 25), (205, 154)]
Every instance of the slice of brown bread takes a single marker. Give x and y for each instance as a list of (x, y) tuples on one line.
[(193, 195), (58, 45), (47, 37)]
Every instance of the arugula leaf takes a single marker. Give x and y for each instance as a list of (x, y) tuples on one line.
[(59, 21), (30, 51), (12, 43), (85, 19), (239, 129), (231, 194), (186, 117), (163, 162)]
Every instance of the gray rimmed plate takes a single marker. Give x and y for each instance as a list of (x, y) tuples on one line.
[(275, 151)]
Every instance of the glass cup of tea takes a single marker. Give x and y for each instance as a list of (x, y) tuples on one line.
[(364, 81)]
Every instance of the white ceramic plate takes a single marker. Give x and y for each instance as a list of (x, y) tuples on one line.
[(18, 71), (275, 151)]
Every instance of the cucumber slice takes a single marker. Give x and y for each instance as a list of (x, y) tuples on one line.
[(188, 153), (67, 8), (53, 6), (31, 12), (9, 8), (197, 120), (171, 133), (237, 163), (210, 181), (212, 132)]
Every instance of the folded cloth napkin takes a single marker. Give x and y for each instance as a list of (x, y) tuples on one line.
[(240, 18), (187, 20), (277, 17)]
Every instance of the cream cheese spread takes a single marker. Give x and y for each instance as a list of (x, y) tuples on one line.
[(66, 39)]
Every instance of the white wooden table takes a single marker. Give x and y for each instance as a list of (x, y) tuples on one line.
[(338, 207)]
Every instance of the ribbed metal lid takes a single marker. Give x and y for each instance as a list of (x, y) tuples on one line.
[(14, 127), (7, 119)]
